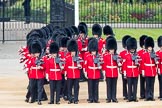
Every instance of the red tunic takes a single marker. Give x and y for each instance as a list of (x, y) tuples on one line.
[(91, 67), (159, 54), (122, 55), (140, 53), (148, 65), (53, 69), (110, 66), (100, 45), (33, 71), (130, 67), (71, 68)]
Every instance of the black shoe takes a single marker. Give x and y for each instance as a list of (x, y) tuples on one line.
[(142, 98), (57, 103), (39, 103), (70, 102), (65, 98), (129, 100), (152, 99), (115, 101), (87, 99), (96, 101), (75, 102), (125, 98), (135, 100), (108, 101), (90, 101), (27, 100), (51, 103), (146, 100), (32, 101)]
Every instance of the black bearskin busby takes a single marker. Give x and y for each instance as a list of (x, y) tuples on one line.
[(93, 45), (131, 43), (68, 32), (149, 42), (72, 45), (75, 30), (54, 48), (82, 29), (35, 47), (159, 40), (64, 41), (124, 39), (142, 40), (97, 30), (85, 27), (111, 44), (107, 30)]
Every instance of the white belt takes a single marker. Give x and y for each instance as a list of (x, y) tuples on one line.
[(111, 67), (72, 67), (161, 62), (34, 67), (55, 70), (132, 66), (92, 67), (149, 64)]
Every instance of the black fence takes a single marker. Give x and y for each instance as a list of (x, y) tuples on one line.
[(18, 17), (122, 13)]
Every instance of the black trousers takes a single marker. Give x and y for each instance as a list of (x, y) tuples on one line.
[(93, 89), (70, 84), (111, 88), (55, 86), (125, 93), (33, 83), (160, 85), (142, 86), (101, 75), (150, 87), (82, 75), (62, 85), (132, 88)]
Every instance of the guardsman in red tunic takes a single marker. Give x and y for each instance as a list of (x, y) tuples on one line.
[(107, 31), (36, 71), (72, 69), (159, 54), (122, 54), (97, 32), (63, 53), (142, 79), (149, 63), (131, 69), (110, 66), (93, 67), (82, 45), (54, 68)]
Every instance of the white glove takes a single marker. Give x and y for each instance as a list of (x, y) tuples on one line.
[(125, 74), (47, 77), (158, 70), (100, 67), (143, 73)]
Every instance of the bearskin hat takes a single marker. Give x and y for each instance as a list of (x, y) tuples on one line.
[(58, 40), (68, 32), (142, 40), (72, 45), (54, 48), (159, 40), (149, 42), (131, 43), (111, 44), (85, 26), (107, 30), (97, 30), (82, 29), (35, 47), (75, 30), (64, 41), (93, 45), (124, 39)]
